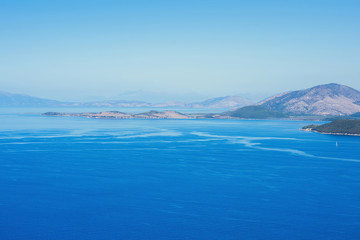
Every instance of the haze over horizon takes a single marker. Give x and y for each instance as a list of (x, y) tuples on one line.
[(185, 50)]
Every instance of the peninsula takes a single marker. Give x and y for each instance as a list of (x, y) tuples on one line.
[(337, 127)]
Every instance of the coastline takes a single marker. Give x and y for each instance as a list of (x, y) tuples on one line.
[(168, 114), (329, 133)]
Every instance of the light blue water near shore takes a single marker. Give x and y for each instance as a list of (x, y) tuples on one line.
[(77, 178)]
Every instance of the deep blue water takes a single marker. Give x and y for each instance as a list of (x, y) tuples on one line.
[(77, 178)]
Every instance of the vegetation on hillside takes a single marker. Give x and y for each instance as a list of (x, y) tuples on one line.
[(341, 126), (256, 112)]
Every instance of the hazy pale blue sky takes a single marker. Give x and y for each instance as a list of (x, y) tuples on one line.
[(78, 49)]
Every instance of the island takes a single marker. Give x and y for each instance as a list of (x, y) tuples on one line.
[(146, 115), (248, 112), (122, 115), (251, 112), (337, 127)]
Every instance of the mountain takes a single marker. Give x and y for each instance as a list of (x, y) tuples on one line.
[(255, 112), (220, 102), (115, 103), (223, 102), (21, 100), (328, 99)]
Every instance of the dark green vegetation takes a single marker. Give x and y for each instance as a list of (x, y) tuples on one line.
[(310, 127), (341, 126), (256, 112), (354, 116)]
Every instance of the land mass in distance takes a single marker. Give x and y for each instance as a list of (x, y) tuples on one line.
[(145, 115)]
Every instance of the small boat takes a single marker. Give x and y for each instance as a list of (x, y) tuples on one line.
[(337, 144)]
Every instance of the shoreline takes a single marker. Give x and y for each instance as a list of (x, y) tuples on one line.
[(170, 114), (329, 133)]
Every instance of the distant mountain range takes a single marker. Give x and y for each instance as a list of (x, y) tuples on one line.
[(323, 100), (21, 100)]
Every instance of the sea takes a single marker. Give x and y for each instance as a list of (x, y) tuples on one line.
[(80, 178)]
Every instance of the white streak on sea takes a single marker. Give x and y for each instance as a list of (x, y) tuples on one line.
[(162, 133), (248, 142), (92, 134)]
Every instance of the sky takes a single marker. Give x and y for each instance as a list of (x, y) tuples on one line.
[(159, 50)]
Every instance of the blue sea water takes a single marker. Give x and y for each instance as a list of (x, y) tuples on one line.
[(78, 178)]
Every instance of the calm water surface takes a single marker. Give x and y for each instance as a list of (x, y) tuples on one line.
[(77, 178)]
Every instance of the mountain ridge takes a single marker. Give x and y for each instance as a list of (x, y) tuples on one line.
[(22, 100), (327, 99), (323, 100)]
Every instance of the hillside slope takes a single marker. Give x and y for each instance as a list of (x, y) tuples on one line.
[(328, 99), (255, 112), (342, 126), (21, 100)]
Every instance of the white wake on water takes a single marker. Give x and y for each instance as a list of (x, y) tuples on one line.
[(249, 142), (162, 133)]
